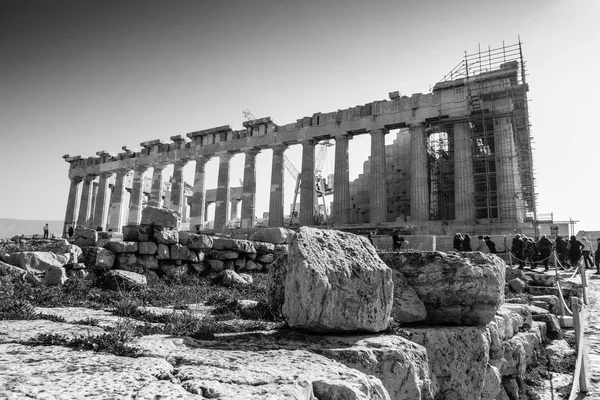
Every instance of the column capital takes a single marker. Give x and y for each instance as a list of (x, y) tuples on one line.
[(250, 150), (278, 146), (308, 142), (343, 136), (414, 125), (76, 179), (181, 162), (202, 158), (378, 131), (159, 166), (106, 174), (225, 155), (140, 169)]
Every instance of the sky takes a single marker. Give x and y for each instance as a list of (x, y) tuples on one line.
[(79, 76)]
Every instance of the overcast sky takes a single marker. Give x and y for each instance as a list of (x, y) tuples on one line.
[(80, 76)]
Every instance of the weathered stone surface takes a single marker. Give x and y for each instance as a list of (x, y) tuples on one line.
[(14, 331), (263, 247), (163, 252), (166, 235), (129, 262), (537, 310), (229, 265), (173, 271), (108, 236), (216, 265), (457, 289), (179, 252), (265, 258), (55, 276), (123, 280), (517, 285), (122, 247), (130, 233), (16, 273), (558, 350), (458, 357), (199, 267), (542, 279), (199, 242), (273, 235), (230, 278), (523, 310), (336, 282), (151, 277), (281, 250), (492, 384), (147, 247), (552, 303), (240, 264), (241, 246), (160, 217), (148, 261), (224, 254), (83, 237), (250, 265), (145, 233), (36, 262), (553, 330), (511, 389), (407, 305)]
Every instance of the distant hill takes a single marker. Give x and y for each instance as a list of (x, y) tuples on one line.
[(11, 227)]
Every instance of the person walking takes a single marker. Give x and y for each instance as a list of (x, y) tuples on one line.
[(545, 245), (46, 231), (516, 248), (466, 244), (575, 247), (586, 252), (396, 242), (481, 246), (458, 242), (562, 250), (70, 232), (490, 245), (597, 257)]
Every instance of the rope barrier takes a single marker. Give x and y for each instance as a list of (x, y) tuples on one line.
[(531, 261)]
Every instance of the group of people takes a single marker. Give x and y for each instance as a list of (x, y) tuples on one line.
[(569, 253), (484, 244)]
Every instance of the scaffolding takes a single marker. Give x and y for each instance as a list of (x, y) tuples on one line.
[(493, 83)]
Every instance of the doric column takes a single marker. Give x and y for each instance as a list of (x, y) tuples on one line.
[(419, 182), (85, 209), (464, 185), (233, 206), (377, 182), (117, 202), (137, 195), (223, 195), (102, 198), (90, 222), (197, 207), (307, 184), (507, 181), (177, 188), (156, 192), (276, 214), (72, 204), (341, 180), (249, 189)]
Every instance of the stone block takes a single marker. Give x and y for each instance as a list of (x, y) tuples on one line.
[(230, 278), (517, 285), (407, 305), (273, 235), (173, 271), (553, 330), (240, 264), (107, 236), (166, 235), (199, 267), (124, 280), (241, 246), (340, 286), (161, 217), (180, 252), (281, 250), (99, 258), (229, 265), (250, 265), (145, 233), (265, 258), (122, 247), (216, 265), (36, 262), (492, 384), (199, 242), (264, 247), (55, 276), (129, 262), (522, 310), (83, 237), (163, 252), (130, 233), (224, 254), (464, 288), (149, 262), (147, 248), (542, 279), (552, 303)]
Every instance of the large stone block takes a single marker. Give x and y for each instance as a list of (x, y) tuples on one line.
[(149, 262), (173, 271), (36, 262), (264, 247), (336, 282), (407, 305), (83, 237), (99, 258), (273, 235), (158, 216), (166, 235), (163, 252), (456, 288), (17, 273), (147, 247), (108, 236), (122, 247), (179, 252), (123, 280), (241, 246), (55, 276), (130, 262), (199, 242)]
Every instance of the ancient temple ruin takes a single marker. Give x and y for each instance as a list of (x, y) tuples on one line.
[(461, 160)]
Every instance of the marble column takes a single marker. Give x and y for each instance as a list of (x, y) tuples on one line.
[(156, 193), (377, 182), (72, 204), (102, 198), (90, 222), (464, 185), (276, 213), (249, 189), (507, 178), (137, 195), (419, 174), (117, 202), (223, 195), (307, 184), (177, 188), (197, 206), (341, 179), (85, 209), (233, 207)]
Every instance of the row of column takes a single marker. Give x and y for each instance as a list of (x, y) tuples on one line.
[(81, 205)]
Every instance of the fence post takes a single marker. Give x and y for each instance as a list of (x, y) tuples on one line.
[(577, 324), (584, 285)]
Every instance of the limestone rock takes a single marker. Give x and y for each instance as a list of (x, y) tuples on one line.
[(553, 329), (230, 278), (122, 247), (273, 235), (173, 271), (123, 280), (55, 276), (336, 282), (216, 265), (240, 264), (457, 289), (265, 258), (458, 357), (99, 258), (145, 233), (492, 384), (17, 273), (517, 285), (523, 310), (130, 233), (36, 262), (84, 237), (236, 245), (199, 267), (558, 350), (281, 250), (263, 247), (166, 235), (148, 261), (108, 236), (407, 305), (130, 262), (163, 252), (542, 279), (552, 303), (250, 265), (224, 254), (199, 242), (179, 252), (147, 248), (160, 217)]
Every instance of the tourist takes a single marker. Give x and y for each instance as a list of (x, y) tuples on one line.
[(490, 245), (545, 245), (458, 241), (562, 250), (396, 242), (466, 244), (587, 250), (516, 249), (481, 245), (46, 231), (370, 237), (70, 232), (529, 251), (597, 257), (575, 247)]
